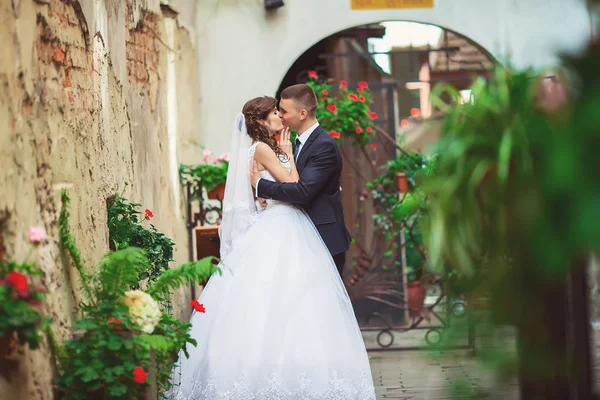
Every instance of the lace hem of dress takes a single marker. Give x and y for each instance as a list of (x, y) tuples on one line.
[(339, 389)]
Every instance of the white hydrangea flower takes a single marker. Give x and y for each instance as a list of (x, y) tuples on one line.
[(143, 309)]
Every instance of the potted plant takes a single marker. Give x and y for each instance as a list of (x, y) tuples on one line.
[(130, 227), (21, 320), (344, 113), (400, 216), (511, 213), (210, 175), (124, 343)]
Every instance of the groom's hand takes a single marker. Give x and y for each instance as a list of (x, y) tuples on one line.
[(254, 174)]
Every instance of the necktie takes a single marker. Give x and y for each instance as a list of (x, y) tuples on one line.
[(297, 148)]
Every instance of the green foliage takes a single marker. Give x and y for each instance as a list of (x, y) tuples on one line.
[(109, 342), (207, 175), (68, 243), (482, 143), (19, 306), (196, 272), (395, 215), (514, 198), (120, 271), (126, 228), (352, 117)]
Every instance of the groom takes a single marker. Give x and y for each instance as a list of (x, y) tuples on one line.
[(319, 164)]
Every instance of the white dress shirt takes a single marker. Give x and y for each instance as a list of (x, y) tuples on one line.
[(302, 138)]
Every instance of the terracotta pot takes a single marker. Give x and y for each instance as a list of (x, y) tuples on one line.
[(416, 297), (402, 180), (217, 193)]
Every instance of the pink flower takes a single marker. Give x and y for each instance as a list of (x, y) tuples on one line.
[(359, 130), (332, 108), (369, 129), (360, 90), (373, 115), (353, 97), (362, 99), (325, 92), (343, 84), (363, 84), (225, 157), (36, 234), (207, 153), (334, 134), (313, 74)]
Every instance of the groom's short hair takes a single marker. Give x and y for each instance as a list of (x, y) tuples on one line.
[(304, 95)]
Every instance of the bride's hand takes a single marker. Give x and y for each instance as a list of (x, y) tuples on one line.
[(284, 142)]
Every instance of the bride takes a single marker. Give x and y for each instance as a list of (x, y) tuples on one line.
[(278, 323)]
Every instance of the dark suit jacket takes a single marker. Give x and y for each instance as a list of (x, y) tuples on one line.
[(318, 190)]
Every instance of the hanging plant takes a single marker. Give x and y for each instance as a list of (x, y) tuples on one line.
[(344, 113)]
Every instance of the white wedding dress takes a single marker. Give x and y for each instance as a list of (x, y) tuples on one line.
[(278, 324)]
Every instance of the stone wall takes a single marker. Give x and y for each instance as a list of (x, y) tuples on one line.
[(96, 97)]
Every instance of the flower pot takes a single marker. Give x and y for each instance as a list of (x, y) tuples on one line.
[(402, 180), (217, 193), (416, 297)]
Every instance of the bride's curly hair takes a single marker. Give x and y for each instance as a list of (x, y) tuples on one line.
[(256, 111)]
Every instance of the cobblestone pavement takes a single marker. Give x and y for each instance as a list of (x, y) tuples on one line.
[(428, 375), (420, 375)]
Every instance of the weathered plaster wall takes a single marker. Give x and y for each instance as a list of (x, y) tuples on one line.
[(87, 103)]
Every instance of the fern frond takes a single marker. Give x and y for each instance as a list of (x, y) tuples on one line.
[(194, 272), (156, 342), (119, 271), (68, 243)]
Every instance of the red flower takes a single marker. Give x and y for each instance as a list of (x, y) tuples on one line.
[(373, 115), (362, 98), (353, 97), (369, 129), (313, 74), (360, 90), (334, 134), (404, 123), (373, 146), (359, 130), (363, 85), (343, 84), (17, 279), (332, 108), (415, 112), (139, 375), (114, 321), (149, 214), (325, 92), (198, 306)]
